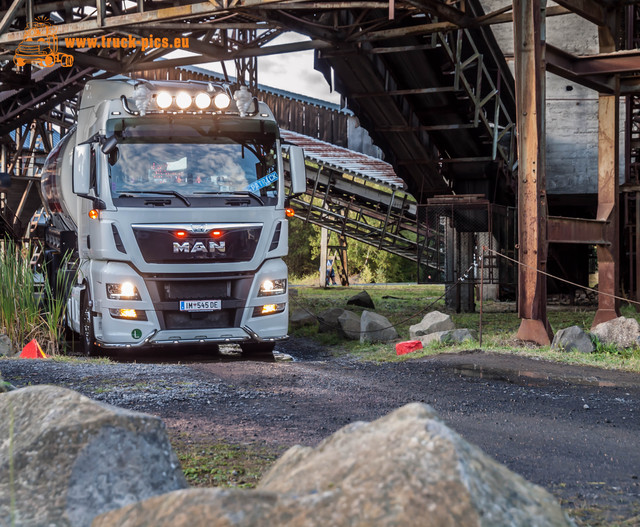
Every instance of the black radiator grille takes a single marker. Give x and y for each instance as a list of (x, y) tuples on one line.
[(211, 319), (194, 290)]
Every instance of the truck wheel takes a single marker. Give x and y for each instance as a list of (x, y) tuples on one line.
[(87, 338), (257, 348)]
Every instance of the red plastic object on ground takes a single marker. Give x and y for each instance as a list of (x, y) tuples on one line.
[(402, 348), (33, 351)]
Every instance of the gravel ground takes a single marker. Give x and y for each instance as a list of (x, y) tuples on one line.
[(579, 439)]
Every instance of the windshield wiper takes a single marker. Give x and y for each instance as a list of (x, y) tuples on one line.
[(161, 192), (235, 193)]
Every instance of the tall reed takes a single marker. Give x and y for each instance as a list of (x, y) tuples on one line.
[(29, 307)]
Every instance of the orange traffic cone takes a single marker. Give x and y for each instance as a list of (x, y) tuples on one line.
[(33, 351)]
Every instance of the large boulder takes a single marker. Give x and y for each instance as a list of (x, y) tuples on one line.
[(409, 468), (376, 328), (573, 338), (350, 325), (362, 299), (73, 458), (405, 469), (622, 332), (203, 508), (432, 323), (328, 320), (300, 318)]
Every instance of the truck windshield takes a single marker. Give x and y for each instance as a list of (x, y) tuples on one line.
[(194, 161)]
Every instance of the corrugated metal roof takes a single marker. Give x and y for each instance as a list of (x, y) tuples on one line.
[(345, 160)]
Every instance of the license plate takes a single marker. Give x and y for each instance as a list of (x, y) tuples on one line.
[(200, 305)]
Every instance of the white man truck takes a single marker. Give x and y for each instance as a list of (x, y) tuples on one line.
[(171, 198)]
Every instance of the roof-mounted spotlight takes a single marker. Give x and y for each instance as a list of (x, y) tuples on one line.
[(203, 100), (164, 100), (183, 100), (222, 101)]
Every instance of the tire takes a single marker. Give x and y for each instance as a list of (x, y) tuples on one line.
[(87, 337), (257, 348)]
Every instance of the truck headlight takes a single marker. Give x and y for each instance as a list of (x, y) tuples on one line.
[(273, 287), (124, 290)]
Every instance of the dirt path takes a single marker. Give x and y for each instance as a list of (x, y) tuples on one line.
[(577, 439)]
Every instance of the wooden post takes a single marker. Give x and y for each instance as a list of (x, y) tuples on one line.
[(528, 24), (324, 240)]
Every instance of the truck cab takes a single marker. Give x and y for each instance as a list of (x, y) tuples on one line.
[(174, 196)]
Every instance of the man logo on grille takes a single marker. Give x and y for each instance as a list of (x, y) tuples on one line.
[(210, 247)]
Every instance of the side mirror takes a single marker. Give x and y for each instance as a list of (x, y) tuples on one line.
[(81, 169), (109, 144), (298, 170)]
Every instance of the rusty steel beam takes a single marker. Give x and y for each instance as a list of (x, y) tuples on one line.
[(562, 63), (201, 9), (591, 10), (576, 230), (443, 11), (608, 199), (530, 90), (625, 61)]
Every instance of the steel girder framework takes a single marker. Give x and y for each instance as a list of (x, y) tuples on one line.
[(383, 29)]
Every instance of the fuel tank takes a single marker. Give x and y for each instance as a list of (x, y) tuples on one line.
[(56, 183)]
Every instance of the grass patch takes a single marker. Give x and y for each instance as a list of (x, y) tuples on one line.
[(221, 464), (405, 305)]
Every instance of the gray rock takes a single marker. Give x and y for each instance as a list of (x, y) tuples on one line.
[(438, 336), (300, 318), (362, 299), (405, 469), (328, 320), (74, 458), (622, 332), (278, 356), (203, 508), (455, 336), (6, 386), (350, 325), (376, 328), (408, 468), (432, 323), (458, 336), (5, 346), (572, 338)]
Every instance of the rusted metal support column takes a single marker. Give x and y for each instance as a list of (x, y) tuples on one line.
[(528, 24), (608, 257)]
